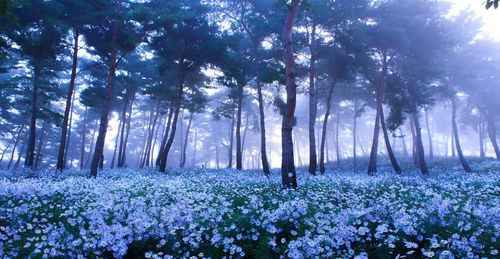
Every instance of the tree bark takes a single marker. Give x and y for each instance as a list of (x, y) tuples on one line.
[(260, 99), (420, 147), (84, 129), (312, 104), (30, 155), (429, 135), (184, 148), (122, 129), (70, 127), (116, 144), (69, 98), (152, 126), (92, 142), (97, 160), (325, 125), (414, 151), (288, 175), (461, 157), (231, 140), (19, 156), (178, 103), (239, 155), (492, 133), (390, 152), (482, 154), (452, 141), (165, 136)]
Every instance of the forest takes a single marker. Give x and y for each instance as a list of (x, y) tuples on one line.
[(249, 129)]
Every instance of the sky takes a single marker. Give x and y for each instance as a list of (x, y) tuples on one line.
[(491, 17)]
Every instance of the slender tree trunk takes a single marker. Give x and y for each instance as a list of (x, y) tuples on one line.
[(429, 135), (361, 145), (178, 103), (30, 155), (184, 148), (452, 141), (239, 158), (64, 133), (154, 114), (84, 129), (288, 175), (155, 139), (492, 133), (312, 104), (420, 146), (70, 127), (195, 147), (20, 154), (481, 140), (15, 145), (116, 144), (123, 160), (11, 141), (97, 160), (337, 142), (354, 125), (165, 136), (92, 142), (244, 136), (260, 99), (325, 125), (38, 152), (216, 144), (390, 152), (414, 143), (122, 129), (464, 163), (231, 139)]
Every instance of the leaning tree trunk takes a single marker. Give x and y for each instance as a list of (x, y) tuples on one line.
[(178, 103), (312, 104), (260, 99), (390, 152), (429, 135), (414, 151), (288, 175), (420, 147), (122, 129), (98, 157), (70, 127), (239, 158), (19, 155), (30, 155), (492, 133), (64, 133), (325, 125), (15, 145), (6, 149), (464, 163), (184, 148), (116, 145)]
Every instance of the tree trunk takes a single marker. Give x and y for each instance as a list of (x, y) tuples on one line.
[(122, 129), (231, 140), (43, 135), (288, 175), (244, 136), (414, 151), (195, 147), (11, 141), (260, 99), (337, 142), (30, 155), (18, 162), (312, 104), (184, 148), (15, 145), (325, 125), (97, 160), (390, 152), (429, 135), (70, 127), (216, 144), (403, 142), (84, 129), (464, 163), (492, 133), (92, 142), (165, 136), (482, 154), (239, 158), (452, 141), (69, 98), (116, 144), (420, 147), (152, 126), (155, 139), (354, 125), (178, 103)]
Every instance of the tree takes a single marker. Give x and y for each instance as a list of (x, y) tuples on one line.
[(112, 34), (490, 3), (288, 174)]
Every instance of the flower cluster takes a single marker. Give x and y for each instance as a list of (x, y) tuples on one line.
[(205, 213)]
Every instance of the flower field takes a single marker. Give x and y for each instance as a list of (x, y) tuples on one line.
[(205, 213)]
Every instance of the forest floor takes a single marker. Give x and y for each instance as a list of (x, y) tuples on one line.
[(210, 213)]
